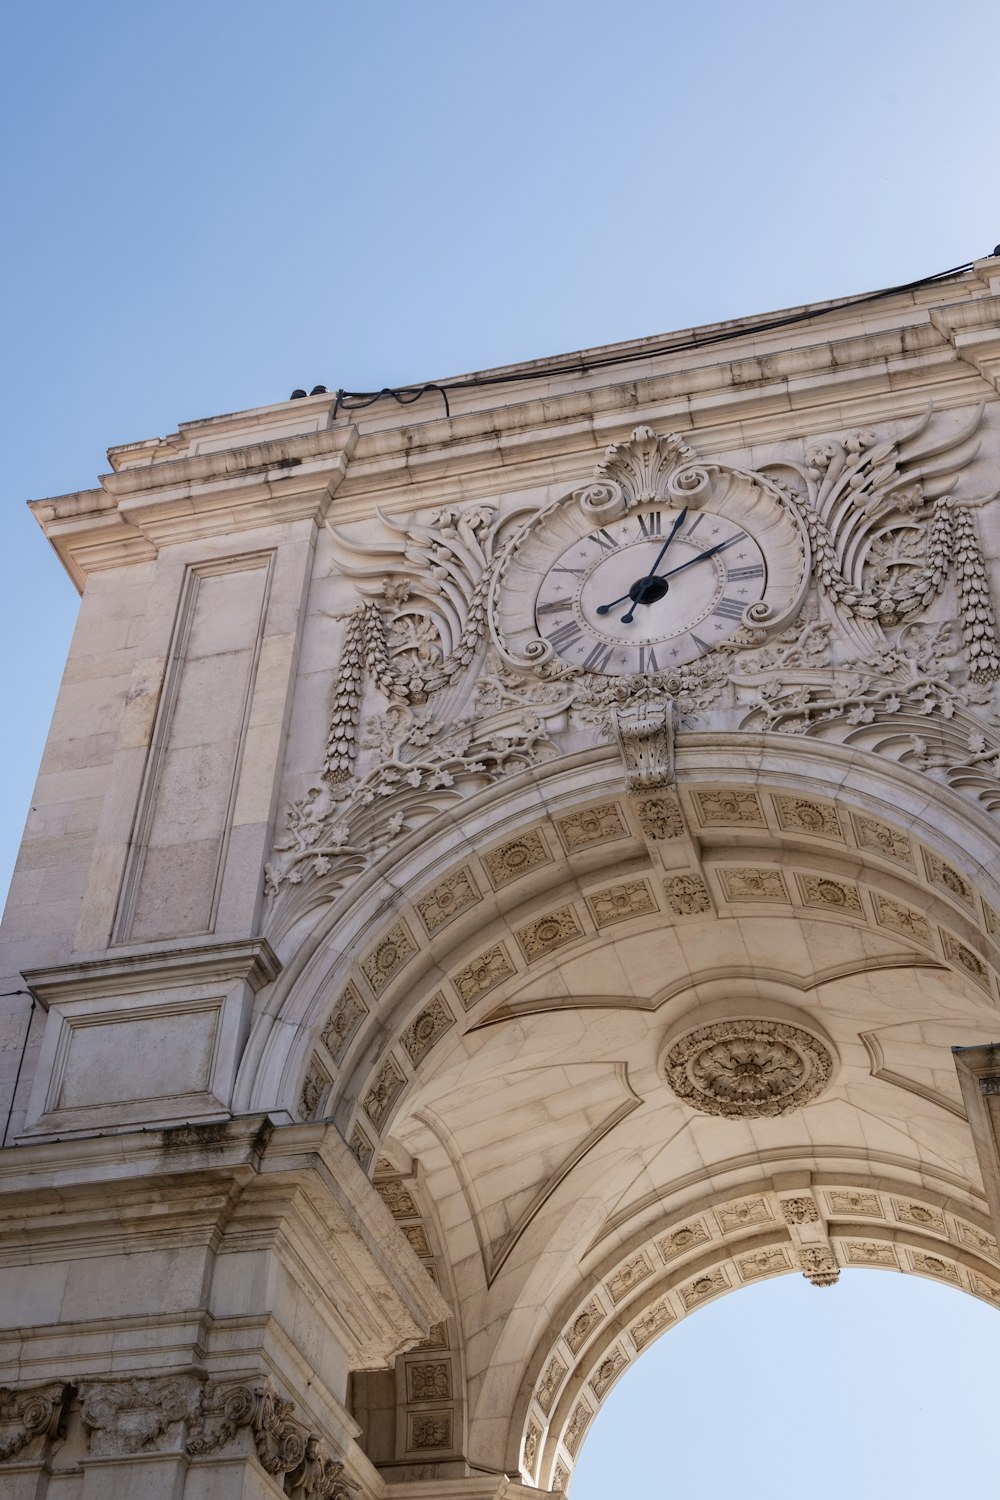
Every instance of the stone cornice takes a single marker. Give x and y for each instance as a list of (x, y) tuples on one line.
[(930, 344), (234, 1187), (252, 959)]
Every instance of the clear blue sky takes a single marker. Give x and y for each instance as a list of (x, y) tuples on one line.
[(210, 204)]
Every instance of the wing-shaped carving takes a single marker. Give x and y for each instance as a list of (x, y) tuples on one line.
[(886, 530)]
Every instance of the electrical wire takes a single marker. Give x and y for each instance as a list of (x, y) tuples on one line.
[(405, 395)]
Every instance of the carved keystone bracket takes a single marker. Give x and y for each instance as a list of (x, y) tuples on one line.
[(645, 735)]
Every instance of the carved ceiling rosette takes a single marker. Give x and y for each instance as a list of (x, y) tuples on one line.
[(746, 1068)]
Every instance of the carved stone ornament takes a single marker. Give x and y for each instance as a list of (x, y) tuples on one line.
[(745, 1069), (819, 1265), (30, 1415), (645, 737), (134, 1416), (817, 624), (318, 1477), (284, 1447)]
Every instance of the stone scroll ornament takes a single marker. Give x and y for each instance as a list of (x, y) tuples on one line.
[(31, 1416)]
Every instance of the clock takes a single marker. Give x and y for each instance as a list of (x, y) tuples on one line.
[(651, 591), (636, 578)]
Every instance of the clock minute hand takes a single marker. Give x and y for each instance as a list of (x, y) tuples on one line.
[(675, 528), (719, 547)]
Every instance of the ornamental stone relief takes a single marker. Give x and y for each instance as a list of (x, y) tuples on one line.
[(819, 1265), (899, 918), (659, 817), (389, 1083), (453, 895), (617, 903), (552, 1378), (611, 1365), (680, 1241), (729, 807), (769, 1262), (345, 1018), (919, 1213), (385, 960), (879, 838), (429, 1380), (711, 1284), (547, 933), (799, 1211), (740, 1215), (933, 1265), (754, 885), (802, 815), (29, 1416), (687, 895), (397, 1200), (835, 895), (747, 1069), (584, 1324), (871, 1253), (592, 825), (628, 1277), (421, 1034), (652, 1322), (484, 973), (870, 556), (866, 1205), (516, 858)]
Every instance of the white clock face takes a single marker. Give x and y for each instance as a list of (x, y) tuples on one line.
[(651, 591)]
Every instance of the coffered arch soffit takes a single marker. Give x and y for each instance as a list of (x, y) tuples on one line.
[(488, 907)]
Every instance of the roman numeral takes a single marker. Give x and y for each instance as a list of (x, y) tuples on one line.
[(729, 609), (647, 660), (694, 526), (566, 635), (551, 606), (651, 524), (756, 571), (740, 536), (702, 645), (560, 568), (606, 542), (598, 658)]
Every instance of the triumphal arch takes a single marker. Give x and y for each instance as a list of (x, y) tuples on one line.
[(513, 861)]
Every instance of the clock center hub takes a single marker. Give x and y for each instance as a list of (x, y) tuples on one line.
[(648, 590)]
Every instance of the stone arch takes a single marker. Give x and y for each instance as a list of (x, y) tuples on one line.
[(916, 871), (409, 1002)]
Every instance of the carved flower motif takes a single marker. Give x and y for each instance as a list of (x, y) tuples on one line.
[(746, 1069)]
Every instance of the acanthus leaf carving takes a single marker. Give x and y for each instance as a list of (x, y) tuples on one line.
[(284, 1446), (645, 735)]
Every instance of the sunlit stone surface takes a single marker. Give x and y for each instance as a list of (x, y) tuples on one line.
[(498, 880)]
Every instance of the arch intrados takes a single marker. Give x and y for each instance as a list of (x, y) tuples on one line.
[(315, 973)]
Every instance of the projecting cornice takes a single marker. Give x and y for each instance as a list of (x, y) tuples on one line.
[(887, 360)]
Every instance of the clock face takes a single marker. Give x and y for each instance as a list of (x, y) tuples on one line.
[(653, 590)]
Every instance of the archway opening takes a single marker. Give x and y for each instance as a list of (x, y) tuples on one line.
[(875, 1386)]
